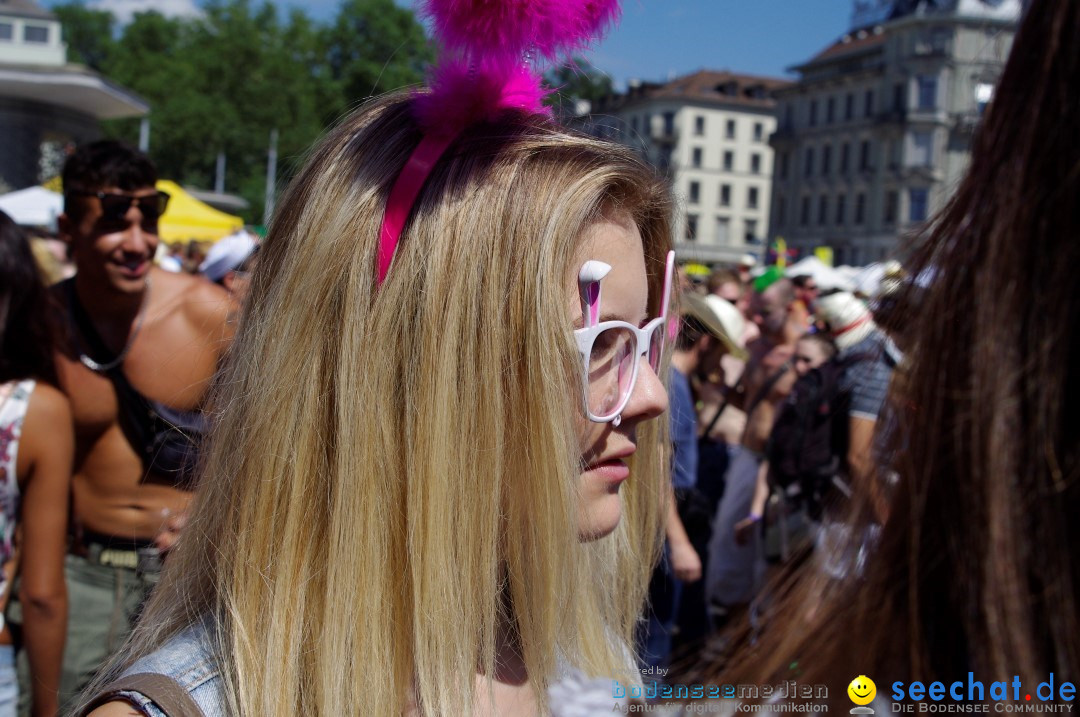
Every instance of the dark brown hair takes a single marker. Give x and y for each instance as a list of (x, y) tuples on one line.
[(978, 566), (827, 345), (26, 336), (105, 163)]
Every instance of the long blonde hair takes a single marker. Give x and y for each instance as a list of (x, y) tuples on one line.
[(392, 469)]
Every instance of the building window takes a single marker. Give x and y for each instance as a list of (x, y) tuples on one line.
[(691, 227), (841, 201), (699, 125), (752, 198), (808, 166), (729, 129), (695, 192), (750, 226), (922, 150), (919, 204), (845, 155), (695, 157), (868, 104), (830, 110), (781, 212), (7, 31), (783, 165), (898, 97), (804, 212), (864, 155), (669, 124), (927, 92), (729, 161), (849, 107), (892, 204), (634, 124), (723, 225), (725, 195), (860, 208), (822, 210), (755, 163), (826, 160), (759, 131), (36, 33), (813, 113)]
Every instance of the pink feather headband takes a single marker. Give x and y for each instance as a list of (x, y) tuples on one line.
[(483, 68)]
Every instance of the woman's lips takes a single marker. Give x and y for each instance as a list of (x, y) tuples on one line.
[(614, 470)]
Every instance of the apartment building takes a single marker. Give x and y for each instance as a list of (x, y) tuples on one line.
[(875, 135), (709, 132)]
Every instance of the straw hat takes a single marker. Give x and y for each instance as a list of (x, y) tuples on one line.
[(720, 317)]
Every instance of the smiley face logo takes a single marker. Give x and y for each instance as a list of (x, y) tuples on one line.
[(862, 690)]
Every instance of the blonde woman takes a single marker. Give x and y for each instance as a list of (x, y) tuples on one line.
[(425, 496)]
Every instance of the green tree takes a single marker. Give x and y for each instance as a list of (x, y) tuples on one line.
[(224, 81), (574, 81), (374, 46), (88, 33)]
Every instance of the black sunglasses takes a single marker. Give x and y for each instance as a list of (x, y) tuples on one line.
[(114, 207)]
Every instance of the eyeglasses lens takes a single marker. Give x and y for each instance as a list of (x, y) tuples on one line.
[(115, 207), (611, 370)]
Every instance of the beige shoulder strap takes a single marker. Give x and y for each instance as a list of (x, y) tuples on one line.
[(165, 692)]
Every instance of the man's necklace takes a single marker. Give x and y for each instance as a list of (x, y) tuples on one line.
[(110, 365)]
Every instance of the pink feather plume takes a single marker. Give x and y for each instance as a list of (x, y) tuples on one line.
[(483, 49)]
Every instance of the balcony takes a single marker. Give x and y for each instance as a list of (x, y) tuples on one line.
[(927, 115), (891, 117)]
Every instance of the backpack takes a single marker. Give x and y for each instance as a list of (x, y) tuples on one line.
[(809, 440)]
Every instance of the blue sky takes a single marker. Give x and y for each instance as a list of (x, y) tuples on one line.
[(661, 38), (658, 38)]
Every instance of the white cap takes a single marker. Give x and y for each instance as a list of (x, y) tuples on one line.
[(227, 255), (849, 319)]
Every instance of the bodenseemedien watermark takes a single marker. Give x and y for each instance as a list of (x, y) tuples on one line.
[(787, 690)]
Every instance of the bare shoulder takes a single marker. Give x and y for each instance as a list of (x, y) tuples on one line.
[(117, 708), (48, 437), (48, 405), (203, 303)]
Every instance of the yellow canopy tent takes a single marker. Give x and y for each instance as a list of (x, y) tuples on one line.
[(187, 218)]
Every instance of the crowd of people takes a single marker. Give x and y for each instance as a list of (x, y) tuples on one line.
[(458, 438), (787, 420)]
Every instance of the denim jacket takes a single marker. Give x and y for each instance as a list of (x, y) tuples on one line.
[(188, 659)]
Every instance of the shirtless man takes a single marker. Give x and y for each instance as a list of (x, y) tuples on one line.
[(142, 346), (733, 571)]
